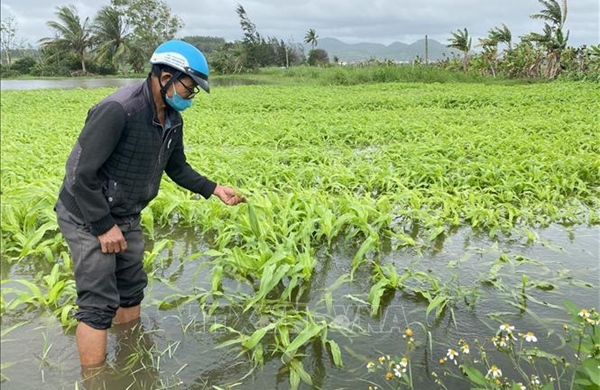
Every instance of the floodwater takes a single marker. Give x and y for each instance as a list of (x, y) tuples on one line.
[(562, 265), (74, 82)]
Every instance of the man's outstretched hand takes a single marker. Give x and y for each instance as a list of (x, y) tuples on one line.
[(228, 195)]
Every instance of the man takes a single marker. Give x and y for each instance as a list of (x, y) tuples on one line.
[(114, 170)]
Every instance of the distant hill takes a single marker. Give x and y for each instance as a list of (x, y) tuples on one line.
[(397, 51)]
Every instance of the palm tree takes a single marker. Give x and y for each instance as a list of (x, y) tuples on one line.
[(71, 37), (490, 45), (554, 40), (461, 41), (501, 35), (111, 33), (553, 13), (312, 38), (490, 52)]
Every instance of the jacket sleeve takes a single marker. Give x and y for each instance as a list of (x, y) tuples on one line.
[(101, 133), (184, 175)]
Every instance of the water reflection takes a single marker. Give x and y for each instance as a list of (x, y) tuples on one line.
[(177, 349), (134, 365), (73, 83)]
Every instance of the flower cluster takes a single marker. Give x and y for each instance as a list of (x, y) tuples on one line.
[(393, 368), (591, 316), (410, 341), (504, 341), (494, 372), (476, 363), (529, 337), (452, 354)]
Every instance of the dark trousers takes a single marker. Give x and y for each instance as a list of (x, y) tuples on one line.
[(104, 281)]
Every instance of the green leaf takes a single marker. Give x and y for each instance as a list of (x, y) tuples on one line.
[(254, 222), (257, 336), (296, 366), (435, 233), (335, 353), (312, 330), (438, 303), (368, 245), (217, 276), (64, 314), (294, 379), (271, 276), (213, 253), (473, 374), (4, 332), (590, 367), (375, 294)]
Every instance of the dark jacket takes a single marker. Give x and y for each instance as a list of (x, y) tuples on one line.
[(116, 165)]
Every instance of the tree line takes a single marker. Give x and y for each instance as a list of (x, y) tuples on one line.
[(120, 38), (542, 55)]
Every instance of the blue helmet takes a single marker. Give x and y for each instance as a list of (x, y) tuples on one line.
[(185, 58)]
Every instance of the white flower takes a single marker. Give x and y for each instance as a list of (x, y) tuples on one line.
[(465, 348), (530, 337), (507, 328), (494, 372), (584, 314), (404, 363), (521, 386), (398, 370), (452, 354), (535, 380)]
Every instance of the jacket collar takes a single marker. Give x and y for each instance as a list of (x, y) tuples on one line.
[(174, 115)]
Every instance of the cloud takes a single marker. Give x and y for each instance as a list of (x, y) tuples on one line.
[(380, 21)]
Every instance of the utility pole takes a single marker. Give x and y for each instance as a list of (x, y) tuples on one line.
[(426, 50)]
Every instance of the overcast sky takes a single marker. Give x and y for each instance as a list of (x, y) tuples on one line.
[(351, 21)]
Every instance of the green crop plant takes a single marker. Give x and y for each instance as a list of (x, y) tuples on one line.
[(369, 169), (292, 331)]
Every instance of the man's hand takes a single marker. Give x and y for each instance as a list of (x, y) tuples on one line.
[(112, 241), (228, 195)]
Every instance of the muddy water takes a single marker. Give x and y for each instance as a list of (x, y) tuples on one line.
[(72, 83), (563, 265)]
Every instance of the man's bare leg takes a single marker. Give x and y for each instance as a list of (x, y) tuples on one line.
[(127, 314), (91, 345)]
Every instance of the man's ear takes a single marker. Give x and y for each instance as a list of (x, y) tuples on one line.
[(164, 77)]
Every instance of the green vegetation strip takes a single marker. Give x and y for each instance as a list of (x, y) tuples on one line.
[(358, 164)]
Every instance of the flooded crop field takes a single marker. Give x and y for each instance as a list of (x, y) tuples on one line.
[(401, 235)]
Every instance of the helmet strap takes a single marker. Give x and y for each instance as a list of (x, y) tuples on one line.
[(163, 88)]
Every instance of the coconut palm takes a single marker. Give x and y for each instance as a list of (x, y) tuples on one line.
[(71, 36), (312, 38), (461, 41), (112, 35)]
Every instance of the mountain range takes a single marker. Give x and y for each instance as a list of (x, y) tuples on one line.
[(397, 51)]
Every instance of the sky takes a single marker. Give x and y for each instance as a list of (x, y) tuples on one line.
[(351, 21)]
